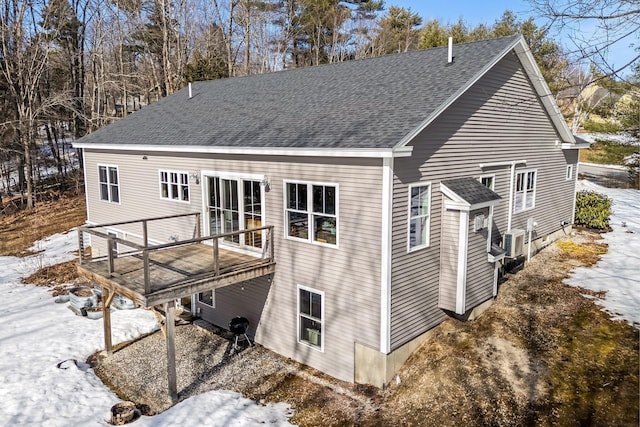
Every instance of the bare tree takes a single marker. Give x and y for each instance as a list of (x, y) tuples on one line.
[(24, 51), (615, 23)]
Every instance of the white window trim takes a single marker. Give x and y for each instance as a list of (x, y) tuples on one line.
[(213, 299), (515, 190), (493, 180), (428, 236), (169, 198), (569, 173), (310, 212), (322, 318), (99, 165)]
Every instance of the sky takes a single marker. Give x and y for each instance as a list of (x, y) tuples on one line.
[(37, 335), (474, 12)]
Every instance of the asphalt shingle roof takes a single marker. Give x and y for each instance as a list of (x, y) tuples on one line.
[(471, 190), (370, 103)]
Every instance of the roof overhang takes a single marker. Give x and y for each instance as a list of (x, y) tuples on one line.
[(519, 46), (458, 203), (258, 151), (580, 143)]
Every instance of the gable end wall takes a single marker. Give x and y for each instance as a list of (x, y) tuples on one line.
[(499, 119)]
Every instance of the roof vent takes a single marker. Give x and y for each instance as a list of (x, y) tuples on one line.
[(450, 56)]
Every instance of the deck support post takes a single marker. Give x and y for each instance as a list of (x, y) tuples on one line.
[(107, 297), (169, 310)]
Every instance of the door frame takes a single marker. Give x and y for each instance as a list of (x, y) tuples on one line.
[(240, 177)]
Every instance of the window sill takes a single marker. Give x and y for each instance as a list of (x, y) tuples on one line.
[(312, 242), (524, 210), (418, 248), (314, 347)]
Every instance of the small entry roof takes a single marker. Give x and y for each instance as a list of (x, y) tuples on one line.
[(469, 192)]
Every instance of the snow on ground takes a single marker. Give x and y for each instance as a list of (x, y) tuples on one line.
[(617, 271), (621, 138), (36, 334)]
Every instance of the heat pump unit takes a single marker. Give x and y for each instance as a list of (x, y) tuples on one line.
[(513, 243)]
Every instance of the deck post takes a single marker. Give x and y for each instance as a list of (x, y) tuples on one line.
[(271, 252), (169, 309), (110, 248), (145, 270), (145, 234), (198, 226), (216, 263), (107, 297)]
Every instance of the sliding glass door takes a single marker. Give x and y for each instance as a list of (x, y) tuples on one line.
[(228, 198)]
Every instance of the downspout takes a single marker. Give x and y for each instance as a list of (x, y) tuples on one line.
[(511, 184)]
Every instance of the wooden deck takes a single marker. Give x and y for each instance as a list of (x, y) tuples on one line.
[(153, 275)]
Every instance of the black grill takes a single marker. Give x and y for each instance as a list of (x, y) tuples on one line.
[(239, 325)]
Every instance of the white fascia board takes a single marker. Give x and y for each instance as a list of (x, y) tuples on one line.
[(540, 85), (258, 151), (452, 195), (576, 146), (408, 137), (504, 163), (456, 206)]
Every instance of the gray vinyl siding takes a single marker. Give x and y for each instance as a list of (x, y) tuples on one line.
[(500, 118), (349, 275), (449, 259), (479, 286)]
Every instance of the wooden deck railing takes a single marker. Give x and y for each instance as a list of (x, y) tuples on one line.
[(145, 250)]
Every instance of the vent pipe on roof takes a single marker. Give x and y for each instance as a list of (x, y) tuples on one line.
[(189, 89), (450, 56)]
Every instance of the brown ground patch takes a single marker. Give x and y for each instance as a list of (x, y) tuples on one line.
[(20, 230)]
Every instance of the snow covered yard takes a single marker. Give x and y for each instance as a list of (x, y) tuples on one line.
[(617, 271), (37, 334)]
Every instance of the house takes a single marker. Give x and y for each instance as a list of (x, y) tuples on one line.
[(387, 193)]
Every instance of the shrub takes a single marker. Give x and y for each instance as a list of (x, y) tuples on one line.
[(633, 166), (593, 210)]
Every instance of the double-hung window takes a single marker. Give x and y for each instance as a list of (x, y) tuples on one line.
[(310, 317), (109, 183), (419, 206), (174, 185), (311, 212), (525, 192)]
